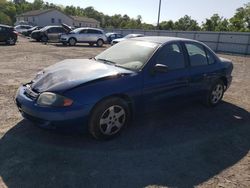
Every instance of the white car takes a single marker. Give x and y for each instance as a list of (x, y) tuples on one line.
[(22, 28), (126, 37), (84, 35)]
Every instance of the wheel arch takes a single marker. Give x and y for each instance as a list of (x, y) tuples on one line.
[(124, 97), (224, 80), (72, 38)]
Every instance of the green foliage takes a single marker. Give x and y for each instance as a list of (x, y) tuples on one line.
[(239, 22), (186, 23), (167, 25), (216, 23)]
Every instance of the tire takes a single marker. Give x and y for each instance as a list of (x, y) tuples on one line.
[(215, 94), (99, 43), (44, 39), (108, 118), (11, 41), (72, 42)]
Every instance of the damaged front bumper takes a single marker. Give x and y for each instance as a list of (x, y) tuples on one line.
[(49, 117)]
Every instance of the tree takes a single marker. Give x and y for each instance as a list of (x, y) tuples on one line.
[(241, 20), (216, 23), (186, 23), (38, 4), (167, 25)]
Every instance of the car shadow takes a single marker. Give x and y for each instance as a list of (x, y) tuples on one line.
[(180, 147)]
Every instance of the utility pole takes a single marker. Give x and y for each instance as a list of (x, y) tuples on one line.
[(159, 14)]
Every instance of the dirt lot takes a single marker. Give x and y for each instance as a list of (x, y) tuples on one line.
[(185, 147)]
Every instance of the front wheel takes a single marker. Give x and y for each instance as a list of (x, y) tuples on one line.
[(11, 41), (72, 42), (108, 118), (215, 94)]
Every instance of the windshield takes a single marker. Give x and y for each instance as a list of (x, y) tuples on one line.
[(45, 28), (129, 54), (76, 30)]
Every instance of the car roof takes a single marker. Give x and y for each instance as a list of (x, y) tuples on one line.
[(89, 28), (161, 40), (2, 25)]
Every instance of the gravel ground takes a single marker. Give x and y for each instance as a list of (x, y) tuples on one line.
[(185, 147)]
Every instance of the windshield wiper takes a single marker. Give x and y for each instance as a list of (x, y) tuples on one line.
[(107, 61)]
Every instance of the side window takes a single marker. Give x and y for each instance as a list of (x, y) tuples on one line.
[(84, 31), (52, 30), (172, 56), (92, 31), (60, 30), (52, 20), (197, 54), (210, 57)]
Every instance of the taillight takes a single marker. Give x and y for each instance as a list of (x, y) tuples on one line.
[(15, 32)]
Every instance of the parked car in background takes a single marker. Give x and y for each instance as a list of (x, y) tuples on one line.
[(22, 28), (131, 77), (129, 36), (49, 33), (29, 31), (8, 34), (113, 36), (84, 35)]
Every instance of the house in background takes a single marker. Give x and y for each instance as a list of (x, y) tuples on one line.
[(43, 18)]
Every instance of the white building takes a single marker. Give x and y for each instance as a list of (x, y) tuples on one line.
[(55, 17)]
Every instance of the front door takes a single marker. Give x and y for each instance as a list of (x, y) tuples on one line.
[(161, 87)]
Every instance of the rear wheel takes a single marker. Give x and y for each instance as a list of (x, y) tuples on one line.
[(99, 43), (215, 94), (72, 42), (108, 118)]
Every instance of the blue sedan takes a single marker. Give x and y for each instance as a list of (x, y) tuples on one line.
[(104, 92)]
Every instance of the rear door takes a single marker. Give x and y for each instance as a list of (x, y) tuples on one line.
[(51, 33), (202, 67), (93, 35), (161, 87)]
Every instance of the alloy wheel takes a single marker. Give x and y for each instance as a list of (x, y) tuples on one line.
[(112, 120), (217, 93)]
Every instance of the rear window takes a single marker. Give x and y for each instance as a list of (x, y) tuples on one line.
[(197, 54)]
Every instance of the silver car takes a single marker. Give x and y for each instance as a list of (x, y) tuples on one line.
[(129, 36), (84, 35)]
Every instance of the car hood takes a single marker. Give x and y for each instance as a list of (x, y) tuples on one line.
[(74, 72)]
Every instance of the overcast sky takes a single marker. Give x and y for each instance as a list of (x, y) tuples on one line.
[(171, 9)]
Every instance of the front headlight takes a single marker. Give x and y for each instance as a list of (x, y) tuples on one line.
[(52, 99)]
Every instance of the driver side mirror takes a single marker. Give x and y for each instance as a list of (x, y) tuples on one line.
[(160, 68)]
